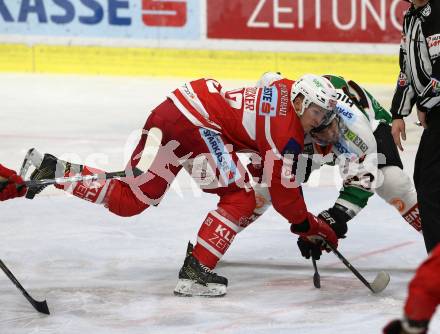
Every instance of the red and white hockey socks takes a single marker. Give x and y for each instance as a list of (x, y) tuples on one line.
[(412, 216), (214, 238), (94, 191)]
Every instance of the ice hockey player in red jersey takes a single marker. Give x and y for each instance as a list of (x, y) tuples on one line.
[(422, 301), (9, 180), (203, 127), (360, 132)]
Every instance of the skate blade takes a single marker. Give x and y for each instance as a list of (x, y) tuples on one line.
[(32, 158), (189, 288)]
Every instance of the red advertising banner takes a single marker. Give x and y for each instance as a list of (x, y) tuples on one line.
[(364, 21)]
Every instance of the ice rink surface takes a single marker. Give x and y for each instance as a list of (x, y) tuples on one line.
[(103, 274)]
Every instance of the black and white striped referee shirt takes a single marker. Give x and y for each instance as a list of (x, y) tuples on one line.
[(419, 78)]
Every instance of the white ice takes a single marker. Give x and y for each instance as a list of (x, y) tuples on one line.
[(103, 274)]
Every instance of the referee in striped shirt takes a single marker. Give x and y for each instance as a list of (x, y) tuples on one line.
[(419, 84)]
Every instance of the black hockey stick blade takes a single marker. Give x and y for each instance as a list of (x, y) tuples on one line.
[(39, 306), (316, 276), (380, 282)]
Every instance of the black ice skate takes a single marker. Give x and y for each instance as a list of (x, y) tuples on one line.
[(195, 279), (50, 168)]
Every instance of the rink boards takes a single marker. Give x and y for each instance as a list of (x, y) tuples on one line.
[(198, 38), (191, 63)]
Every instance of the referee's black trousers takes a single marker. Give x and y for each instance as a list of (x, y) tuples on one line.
[(427, 180)]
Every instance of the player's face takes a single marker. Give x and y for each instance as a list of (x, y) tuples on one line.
[(329, 135), (313, 117)]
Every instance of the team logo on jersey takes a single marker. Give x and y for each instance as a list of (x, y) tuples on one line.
[(225, 164), (433, 42), (268, 102), (403, 80), (427, 10)]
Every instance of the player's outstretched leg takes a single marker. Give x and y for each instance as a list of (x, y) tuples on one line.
[(196, 279), (52, 167)]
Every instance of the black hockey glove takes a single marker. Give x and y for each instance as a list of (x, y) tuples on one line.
[(309, 249), (406, 327), (337, 218)]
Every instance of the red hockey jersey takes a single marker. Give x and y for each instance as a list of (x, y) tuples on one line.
[(424, 289), (253, 119)]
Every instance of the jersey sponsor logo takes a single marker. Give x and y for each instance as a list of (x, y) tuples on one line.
[(341, 148), (413, 217), (208, 221), (345, 113), (284, 99), (344, 98), (268, 102), (226, 166), (224, 232), (187, 91), (250, 99), (435, 86), (355, 139), (433, 42)]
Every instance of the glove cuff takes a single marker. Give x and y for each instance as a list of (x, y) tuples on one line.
[(337, 218)]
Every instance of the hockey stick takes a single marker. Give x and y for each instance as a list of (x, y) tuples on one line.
[(39, 306), (316, 276), (62, 180), (380, 282)]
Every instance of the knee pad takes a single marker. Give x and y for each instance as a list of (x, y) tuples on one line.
[(263, 200), (397, 189), (146, 150)]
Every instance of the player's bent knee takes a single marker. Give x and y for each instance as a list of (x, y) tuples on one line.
[(397, 189), (122, 201), (239, 204)]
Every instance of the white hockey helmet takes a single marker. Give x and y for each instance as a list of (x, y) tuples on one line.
[(318, 90)]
